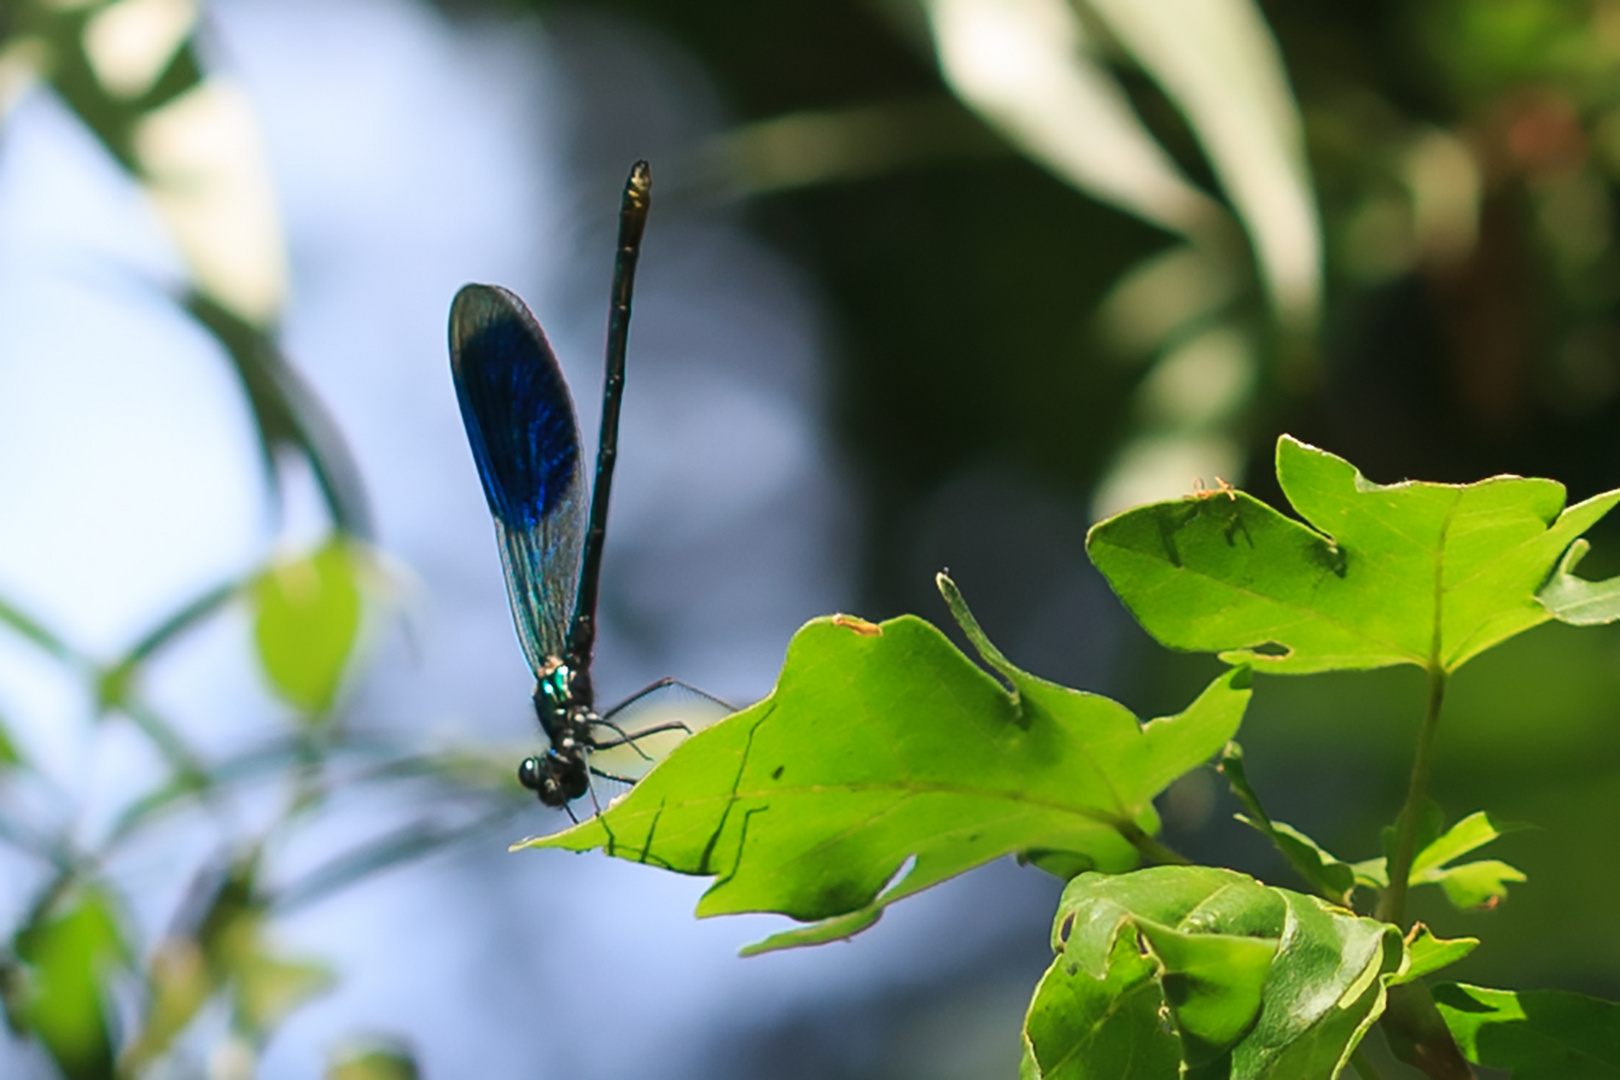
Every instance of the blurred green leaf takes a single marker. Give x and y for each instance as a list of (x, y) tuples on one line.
[(1427, 954), (1411, 573), (373, 1062), (883, 746), (179, 982), (1537, 1035), (9, 758), (1220, 65), (64, 1001), (1258, 981), (1326, 873), (306, 622)]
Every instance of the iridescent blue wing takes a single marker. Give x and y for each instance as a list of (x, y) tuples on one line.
[(525, 439)]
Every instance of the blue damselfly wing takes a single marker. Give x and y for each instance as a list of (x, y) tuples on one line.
[(525, 440), (520, 423), (642, 730)]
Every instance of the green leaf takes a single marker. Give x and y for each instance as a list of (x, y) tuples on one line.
[(883, 748), (1576, 600), (1475, 884), (372, 1062), (1326, 873), (9, 758), (1409, 573), (1259, 982), (1466, 885), (1427, 954), (68, 956), (306, 621), (1538, 1034), (1080, 1027), (1472, 832)]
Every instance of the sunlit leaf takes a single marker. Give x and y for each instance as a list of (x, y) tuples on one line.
[(1080, 1027), (64, 1001), (306, 622), (1466, 885), (1410, 573), (1257, 981), (1536, 1035), (1427, 954), (884, 748)]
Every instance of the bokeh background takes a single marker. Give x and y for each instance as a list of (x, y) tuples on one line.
[(928, 283)]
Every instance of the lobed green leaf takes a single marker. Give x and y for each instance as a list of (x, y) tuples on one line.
[(1409, 573), (886, 761)]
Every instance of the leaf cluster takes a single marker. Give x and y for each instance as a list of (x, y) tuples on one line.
[(886, 761)]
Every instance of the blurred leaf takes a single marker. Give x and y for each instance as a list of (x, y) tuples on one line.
[(883, 748), (1219, 64), (30, 629), (1022, 64), (179, 982), (192, 142), (1326, 873), (68, 956), (1427, 954), (116, 680), (1080, 1027), (306, 622), (287, 413), (1411, 573), (373, 1063), (9, 758), (1537, 1034), (1258, 981), (269, 987)]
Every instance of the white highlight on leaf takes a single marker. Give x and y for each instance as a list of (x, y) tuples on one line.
[(130, 42), (1201, 382), (205, 169), (1217, 60), (1022, 65)]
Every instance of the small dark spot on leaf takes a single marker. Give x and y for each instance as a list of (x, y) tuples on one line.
[(857, 624), (1064, 927), (776, 773), (1272, 649)]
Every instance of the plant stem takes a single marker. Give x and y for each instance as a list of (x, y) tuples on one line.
[(1392, 906), (1152, 850)]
